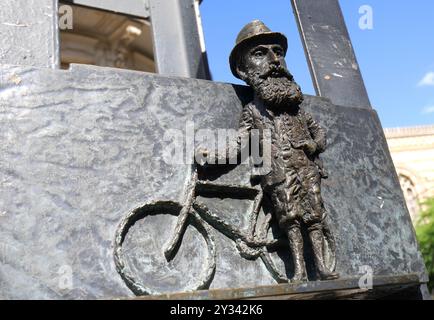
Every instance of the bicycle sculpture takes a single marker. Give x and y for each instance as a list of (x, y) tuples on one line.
[(292, 186), (251, 245)]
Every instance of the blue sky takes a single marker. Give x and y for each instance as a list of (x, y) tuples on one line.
[(396, 57)]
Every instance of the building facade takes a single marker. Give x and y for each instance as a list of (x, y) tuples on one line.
[(123, 35), (412, 151)]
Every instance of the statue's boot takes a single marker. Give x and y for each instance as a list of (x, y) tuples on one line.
[(317, 239), (296, 246)]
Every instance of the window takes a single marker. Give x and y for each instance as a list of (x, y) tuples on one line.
[(410, 195), (104, 38)]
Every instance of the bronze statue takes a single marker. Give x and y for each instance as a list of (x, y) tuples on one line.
[(294, 183)]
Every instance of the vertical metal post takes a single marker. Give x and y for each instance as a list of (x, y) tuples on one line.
[(177, 46), (29, 33), (332, 61)]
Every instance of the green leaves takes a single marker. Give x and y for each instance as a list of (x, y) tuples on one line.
[(425, 236)]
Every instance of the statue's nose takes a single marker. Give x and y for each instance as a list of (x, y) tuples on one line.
[(274, 58)]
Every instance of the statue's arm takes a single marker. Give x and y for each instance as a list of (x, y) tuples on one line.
[(235, 149), (317, 132)]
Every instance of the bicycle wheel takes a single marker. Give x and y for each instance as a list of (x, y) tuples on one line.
[(139, 257)]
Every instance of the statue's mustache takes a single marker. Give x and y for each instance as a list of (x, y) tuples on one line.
[(276, 72)]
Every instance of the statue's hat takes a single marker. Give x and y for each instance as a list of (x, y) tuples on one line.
[(254, 31)]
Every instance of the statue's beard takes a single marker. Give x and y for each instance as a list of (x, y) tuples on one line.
[(277, 89)]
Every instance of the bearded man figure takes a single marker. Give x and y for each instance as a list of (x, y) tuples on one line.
[(293, 183)]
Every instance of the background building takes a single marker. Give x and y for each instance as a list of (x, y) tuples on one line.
[(108, 39), (412, 150), (117, 34)]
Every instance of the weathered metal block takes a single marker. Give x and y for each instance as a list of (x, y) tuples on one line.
[(81, 149), (29, 33)]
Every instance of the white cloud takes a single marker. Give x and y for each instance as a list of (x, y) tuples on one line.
[(428, 80), (428, 110)]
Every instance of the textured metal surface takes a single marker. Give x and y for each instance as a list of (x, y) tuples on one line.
[(382, 287), (330, 55), (83, 148), (138, 8), (177, 47), (29, 33)]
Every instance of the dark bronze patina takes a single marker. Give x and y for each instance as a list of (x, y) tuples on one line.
[(291, 187), (294, 183)]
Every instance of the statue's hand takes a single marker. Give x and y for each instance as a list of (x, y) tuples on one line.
[(310, 147)]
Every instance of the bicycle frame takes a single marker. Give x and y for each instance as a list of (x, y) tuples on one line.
[(194, 187), (251, 245)]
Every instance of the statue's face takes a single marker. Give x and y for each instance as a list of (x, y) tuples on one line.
[(266, 60), (263, 67)]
